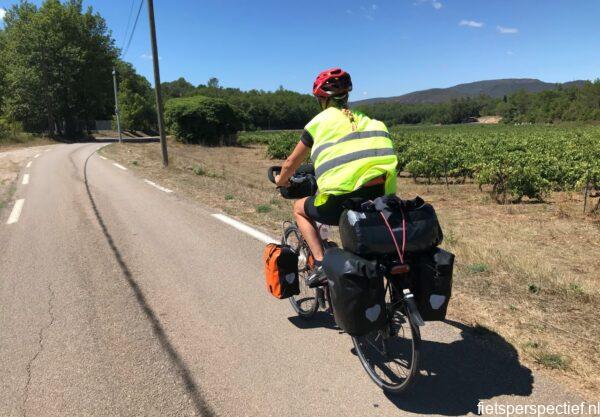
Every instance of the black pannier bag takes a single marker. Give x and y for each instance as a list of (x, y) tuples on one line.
[(305, 186), (356, 290), (364, 232), (432, 280)]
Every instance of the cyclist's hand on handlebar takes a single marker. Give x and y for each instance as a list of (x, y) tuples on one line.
[(280, 183)]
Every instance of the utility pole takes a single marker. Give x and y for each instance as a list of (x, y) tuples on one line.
[(117, 105), (159, 105)]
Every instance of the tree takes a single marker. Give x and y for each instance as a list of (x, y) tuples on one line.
[(58, 62), (203, 120), (136, 99), (178, 88), (213, 83)]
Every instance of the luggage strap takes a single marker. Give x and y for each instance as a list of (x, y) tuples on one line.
[(387, 224)]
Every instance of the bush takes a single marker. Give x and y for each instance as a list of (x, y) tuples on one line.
[(263, 137), (282, 144), (203, 120), (4, 129)]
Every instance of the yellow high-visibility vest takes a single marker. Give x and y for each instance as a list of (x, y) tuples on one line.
[(348, 155)]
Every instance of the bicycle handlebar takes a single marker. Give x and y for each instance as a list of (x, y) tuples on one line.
[(298, 178), (302, 184), (272, 172)]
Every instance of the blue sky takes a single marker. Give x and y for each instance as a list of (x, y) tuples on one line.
[(390, 47)]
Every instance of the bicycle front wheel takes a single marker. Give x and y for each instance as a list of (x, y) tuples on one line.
[(391, 355), (305, 303)]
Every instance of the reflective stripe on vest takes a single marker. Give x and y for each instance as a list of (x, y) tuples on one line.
[(344, 163), (353, 156), (351, 136)]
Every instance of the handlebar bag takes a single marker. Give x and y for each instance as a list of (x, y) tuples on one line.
[(432, 281), (281, 270), (306, 188), (356, 290), (364, 231)]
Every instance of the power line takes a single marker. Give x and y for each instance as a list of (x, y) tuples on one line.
[(133, 30), (128, 22)]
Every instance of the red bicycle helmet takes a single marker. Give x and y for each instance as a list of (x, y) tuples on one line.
[(332, 82)]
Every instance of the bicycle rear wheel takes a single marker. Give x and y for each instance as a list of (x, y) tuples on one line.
[(391, 355), (305, 303)]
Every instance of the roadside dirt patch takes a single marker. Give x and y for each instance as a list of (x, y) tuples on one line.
[(529, 272), (489, 120), (11, 162)]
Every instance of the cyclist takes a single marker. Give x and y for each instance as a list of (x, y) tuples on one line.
[(353, 157)]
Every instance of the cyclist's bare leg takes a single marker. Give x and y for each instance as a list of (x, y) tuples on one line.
[(307, 228)]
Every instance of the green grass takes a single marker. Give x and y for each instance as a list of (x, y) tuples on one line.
[(263, 208), (576, 288), (478, 268), (228, 197), (7, 195), (450, 238), (531, 345), (552, 361), (534, 288), (198, 170)]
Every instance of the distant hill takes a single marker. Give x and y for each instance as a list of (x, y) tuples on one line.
[(492, 88)]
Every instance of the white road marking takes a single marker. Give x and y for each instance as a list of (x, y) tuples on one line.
[(16, 212), (47, 150), (120, 166), (245, 228), (25, 179), (166, 190), (28, 164), (37, 156), (103, 157)]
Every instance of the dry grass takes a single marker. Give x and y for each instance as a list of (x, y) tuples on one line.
[(23, 141), (530, 272)]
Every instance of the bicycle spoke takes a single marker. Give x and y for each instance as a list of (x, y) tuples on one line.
[(389, 355)]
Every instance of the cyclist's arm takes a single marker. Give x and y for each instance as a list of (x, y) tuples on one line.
[(291, 164)]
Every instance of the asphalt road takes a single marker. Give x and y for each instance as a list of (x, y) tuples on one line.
[(120, 299)]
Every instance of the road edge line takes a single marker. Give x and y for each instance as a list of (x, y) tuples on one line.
[(243, 227), (119, 166), (16, 211), (160, 187)]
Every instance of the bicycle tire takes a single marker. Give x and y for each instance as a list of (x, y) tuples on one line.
[(306, 303), (369, 364)]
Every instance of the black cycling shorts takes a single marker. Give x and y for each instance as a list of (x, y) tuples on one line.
[(330, 212)]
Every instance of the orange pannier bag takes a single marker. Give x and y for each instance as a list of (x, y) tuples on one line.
[(281, 270)]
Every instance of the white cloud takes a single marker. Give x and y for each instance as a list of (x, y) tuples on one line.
[(2, 13), (509, 52), (348, 11), (470, 23), (365, 93), (369, 17), (507, 31), (436, 4), (374, 7)]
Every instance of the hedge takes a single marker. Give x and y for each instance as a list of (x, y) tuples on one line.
[(203, 120)]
